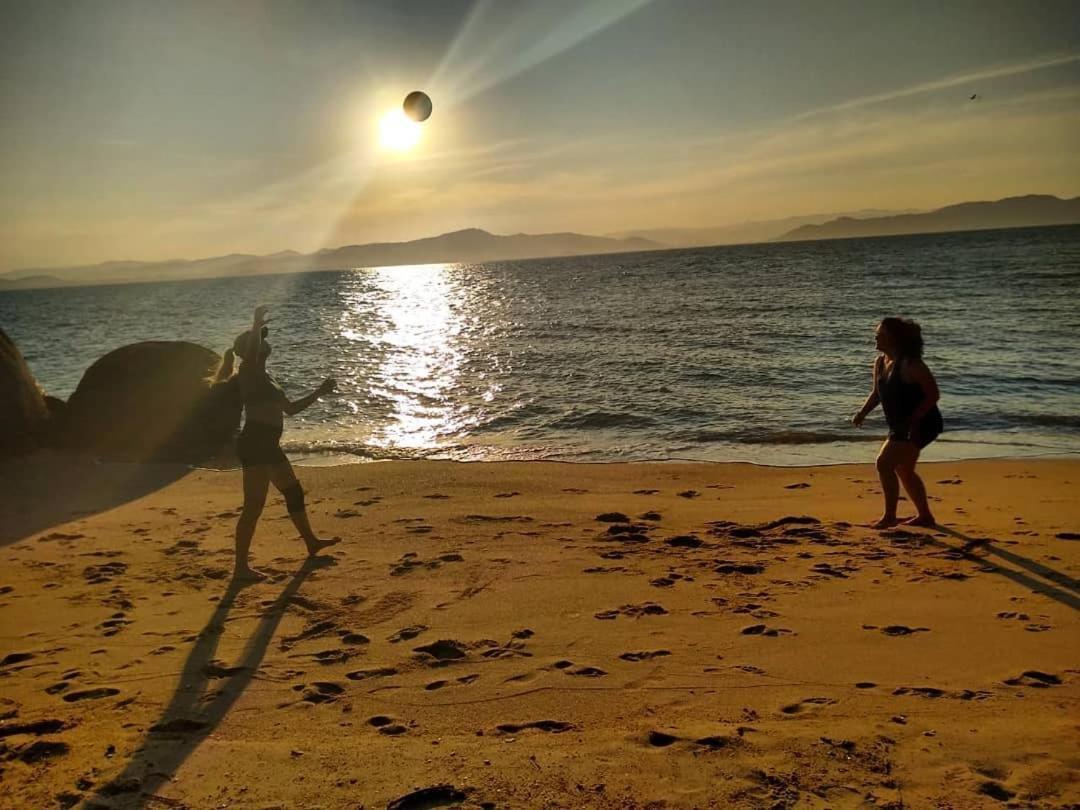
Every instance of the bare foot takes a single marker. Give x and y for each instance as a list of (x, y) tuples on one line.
[(884, 522), (921, 520), (314, 548), (249, 575)]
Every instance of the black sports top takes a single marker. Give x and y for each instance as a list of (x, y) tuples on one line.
[(899, 400)]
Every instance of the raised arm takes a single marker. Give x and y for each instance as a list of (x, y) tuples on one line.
[(293, 407), (256, 331), (872, 401)]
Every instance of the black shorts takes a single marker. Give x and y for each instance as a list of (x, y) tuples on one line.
[(930, 427), (259, 444)]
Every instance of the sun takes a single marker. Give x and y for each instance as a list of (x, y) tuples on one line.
[(398, 132)]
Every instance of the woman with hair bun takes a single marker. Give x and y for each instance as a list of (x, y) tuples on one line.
[(908, 394), (258, 445)]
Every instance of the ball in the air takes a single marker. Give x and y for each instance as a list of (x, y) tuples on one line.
[(417, 106)]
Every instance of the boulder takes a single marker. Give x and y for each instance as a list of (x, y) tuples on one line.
[(23, 413), (152, 401)]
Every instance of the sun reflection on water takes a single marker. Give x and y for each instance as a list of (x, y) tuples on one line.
[(414, 325)]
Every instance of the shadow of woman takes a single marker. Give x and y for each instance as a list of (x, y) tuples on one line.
[(1064, 589), (190, 717)]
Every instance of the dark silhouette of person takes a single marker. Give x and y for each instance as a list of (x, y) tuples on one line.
[(258, 445), (908, 394)]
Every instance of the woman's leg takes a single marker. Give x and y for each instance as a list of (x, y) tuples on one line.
[(890, 487), (256, 483), (285, 480), (914, 485)]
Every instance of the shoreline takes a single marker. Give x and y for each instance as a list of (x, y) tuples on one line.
[(542, 634)]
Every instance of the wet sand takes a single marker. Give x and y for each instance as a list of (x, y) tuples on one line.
[(541, 635)]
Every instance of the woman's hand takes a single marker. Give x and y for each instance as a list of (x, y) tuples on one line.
[(858, 418), (328, 385)]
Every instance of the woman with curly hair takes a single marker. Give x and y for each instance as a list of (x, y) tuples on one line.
[(908, 394)]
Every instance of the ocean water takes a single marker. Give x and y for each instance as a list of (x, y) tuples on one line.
[(754, 353)]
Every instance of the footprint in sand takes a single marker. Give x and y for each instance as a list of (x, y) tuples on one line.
[(443, 650), (179, 725), (739, 568), (897, 629), (364, 674), (644, 655), (573, 491), (218, 669), (436, 496), (762, 630), (322, 692), (934, 692), (612, 517), (807, 704), (507, 494), (91, 694), (800, 485), (586, 672), (633, 611), (646, 491), (15, 658), (550, 726), (100, 574), (387, 726), (685, 541), (688, 493), (407, 633), (36, 727), (661, 739), (627, 533), (430, 797), (1036, 679)]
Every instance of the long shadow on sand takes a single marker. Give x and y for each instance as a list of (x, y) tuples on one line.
[(1064, 589), (46, 489), (193, 713)]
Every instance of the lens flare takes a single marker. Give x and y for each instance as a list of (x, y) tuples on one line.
[(398, 132)]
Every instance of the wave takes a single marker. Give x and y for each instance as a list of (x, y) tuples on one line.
[(583, 420), (998, 421), (775, 437), (364, 451)]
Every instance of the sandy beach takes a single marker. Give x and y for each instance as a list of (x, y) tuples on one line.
[(541, 635)]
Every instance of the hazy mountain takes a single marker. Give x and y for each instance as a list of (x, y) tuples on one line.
[(746, 232), (1011, 212), (471, 245), (25, 282)]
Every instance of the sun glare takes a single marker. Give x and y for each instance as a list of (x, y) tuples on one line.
[(398, 132)]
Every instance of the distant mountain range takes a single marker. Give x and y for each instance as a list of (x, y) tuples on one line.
[(1011, 212), (470, 245), (743, 233), (475, 245)]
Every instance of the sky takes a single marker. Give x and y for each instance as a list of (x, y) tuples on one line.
[(151, 130)]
